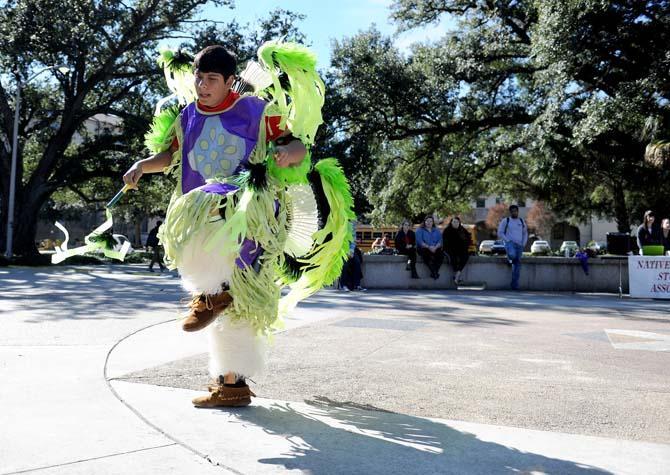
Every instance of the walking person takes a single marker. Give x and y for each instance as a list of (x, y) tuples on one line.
[(514, 232), (154, 246), (456, 240), (405, 243), (429, 246), (352, 272)]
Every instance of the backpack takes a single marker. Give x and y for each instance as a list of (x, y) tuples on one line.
[(507, 224)]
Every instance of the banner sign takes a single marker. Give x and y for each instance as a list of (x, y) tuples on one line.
[(649, 276)]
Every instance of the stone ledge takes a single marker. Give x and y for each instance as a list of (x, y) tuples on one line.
[(537, 273)]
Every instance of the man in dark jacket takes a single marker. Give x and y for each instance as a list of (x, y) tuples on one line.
[(352, 273), (155, 247), (405, 243)]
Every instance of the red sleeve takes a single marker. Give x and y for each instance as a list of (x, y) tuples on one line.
[(272, 130)]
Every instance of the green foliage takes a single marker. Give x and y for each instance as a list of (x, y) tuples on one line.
[(426, 118), (80, 131), (605, 78), (554, 100), (244, 39)]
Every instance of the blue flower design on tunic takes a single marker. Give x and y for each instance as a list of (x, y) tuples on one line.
[(216, 152)]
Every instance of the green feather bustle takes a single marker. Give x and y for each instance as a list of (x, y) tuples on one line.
[(178, 69), (293, 175), (175, 61), (324, 263), (162, 131), (301, 105)]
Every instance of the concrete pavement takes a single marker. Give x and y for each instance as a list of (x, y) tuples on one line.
[(97, 378)]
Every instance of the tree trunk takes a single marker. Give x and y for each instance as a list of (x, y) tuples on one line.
[(138, 233), (29, 201), (25, 229), (4, 194), (620, 209), (3, 221)]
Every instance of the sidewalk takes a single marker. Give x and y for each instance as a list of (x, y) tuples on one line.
[(100, 380)]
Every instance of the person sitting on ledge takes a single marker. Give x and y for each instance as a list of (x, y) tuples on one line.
[(456, 240), (429, 246), (405, 243)]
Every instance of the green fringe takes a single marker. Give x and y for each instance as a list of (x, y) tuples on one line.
[(186, 214), (162, 132), (324, 263), (302, 108), (255, 296), (233, 231), (252, 217)]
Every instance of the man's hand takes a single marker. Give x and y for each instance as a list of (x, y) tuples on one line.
[(290, 153), (282, 156), (133, 175)]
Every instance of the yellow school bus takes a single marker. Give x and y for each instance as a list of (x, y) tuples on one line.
[(366, 235)]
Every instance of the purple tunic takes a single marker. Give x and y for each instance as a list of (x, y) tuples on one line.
[(218, 145)]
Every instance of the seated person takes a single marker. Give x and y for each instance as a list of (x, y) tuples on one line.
[(377, 245), (405, 244), (456, 241), (429, 246)]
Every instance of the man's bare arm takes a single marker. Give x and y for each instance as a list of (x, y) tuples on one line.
[(153, 164)]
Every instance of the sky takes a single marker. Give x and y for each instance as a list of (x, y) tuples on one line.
[(327, 20)]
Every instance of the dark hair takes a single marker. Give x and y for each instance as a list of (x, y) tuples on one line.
[(460, 221), (409, 223), (513, 207), (158, 223), (216, 59), (648, 214), (423, 224)]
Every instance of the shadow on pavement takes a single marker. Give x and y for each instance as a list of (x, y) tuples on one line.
[(91, 293), (424, 300), (351, 438)]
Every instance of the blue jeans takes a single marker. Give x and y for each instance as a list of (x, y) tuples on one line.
[(514, 253)]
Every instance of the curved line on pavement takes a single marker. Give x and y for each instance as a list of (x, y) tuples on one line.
[(139, 414)]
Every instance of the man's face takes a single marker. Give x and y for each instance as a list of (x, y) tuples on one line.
[(514, 213), (212, 88)]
